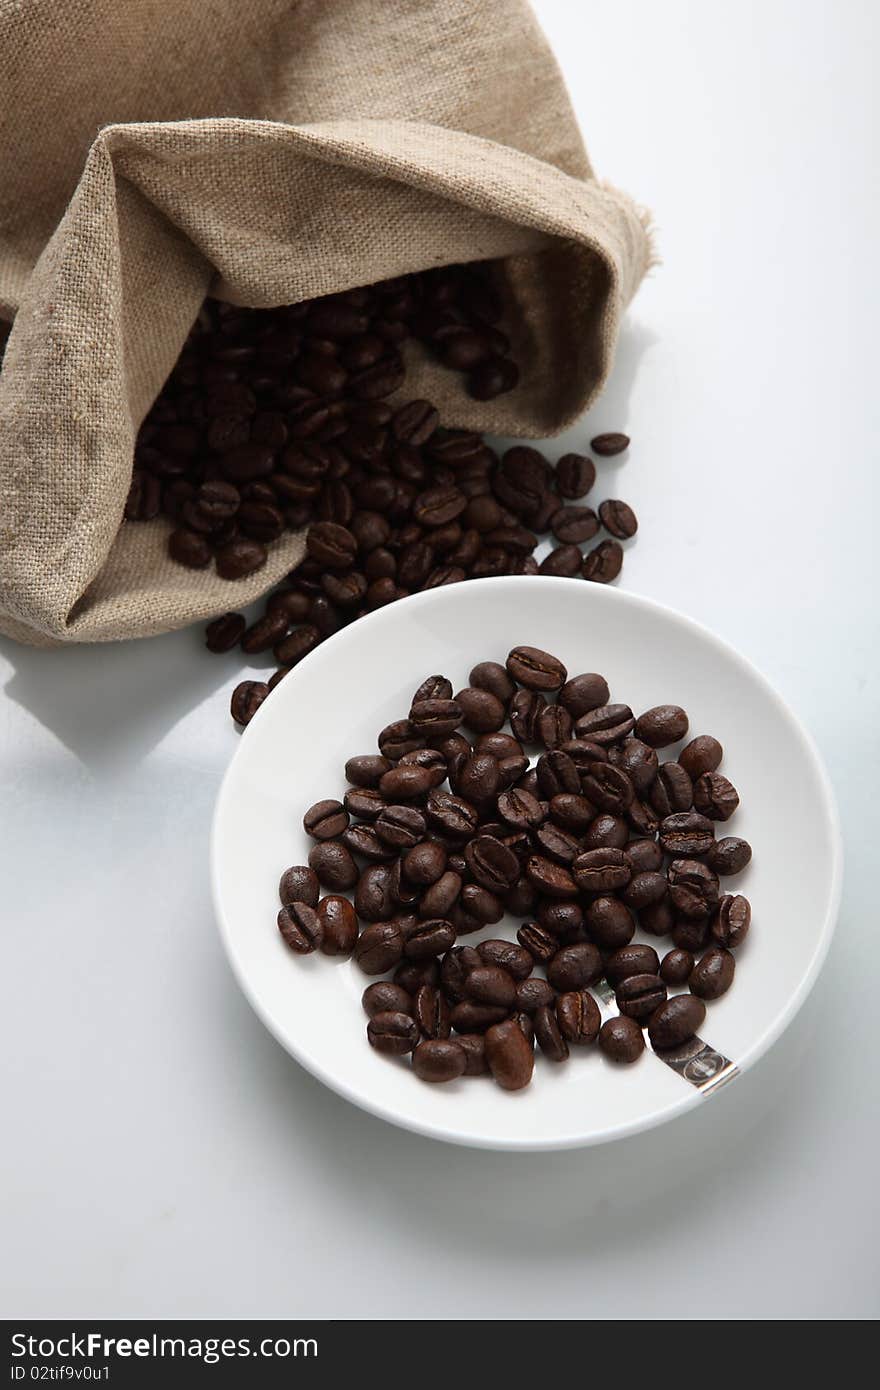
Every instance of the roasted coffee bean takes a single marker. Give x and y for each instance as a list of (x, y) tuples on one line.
[(639, 761), (607, 445), (609, 923), (432, 1012), (645, 856), (606, 832), (510, 1057), (658, 918), (563, 560), (557, 773), (264, 634), (715, 796), (607, 724), (693, 888), (618, 518), (521, 898), (634, 959), (293, 603), (246, 700), (491, 984), (535, 669), (301, 928), (436, 717), (225, 632), (292, 649), (332, 862), (439, 1059), (533, 994), (240, 558), (366, 803), (492, 864), (729, 856), (573, 525), (385, 997), (541, 944), (575, 475), (326, 820), (661, 725), (643, 889), (525, 711), (702, 754), (439, 899), (731, 922), (339, 925), (400, 826), (477, 778), (469, 1017), (456, 965), (189, 548), (675, 967), (564, 919), (691, 934), (673, 791), (602, 870), (432, 688), (412, 974), (520, 809), (430, 759), (553, 726), (374, 900), (415, 422), (608, 787), (451, 813), (363, 840), (424, 863), (299, 884), (393, 1033), (578, 1016), (406, 782), (604, 563), (638, 996), (473, 1045), (686, 833), (481, 711), (584, 693), (481, 904), (641, 819), (571, 811), (430, 938), (574, 967), (398, 738), (558, 844), (492, 676), (621, 1039), (676, 1021), (508, 956), (379, 948), (583, 752), (713, 974), (549, 878), (548, 1035)]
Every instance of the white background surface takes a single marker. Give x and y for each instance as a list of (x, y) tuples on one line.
[(163, 1156)]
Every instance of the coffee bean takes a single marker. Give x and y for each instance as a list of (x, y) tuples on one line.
[(400, 826), (673, 790), (729, 856), (490, 984), (571, 811), (373, 899), (563, 560), (326, 820), (474, 1048), (540, 943), (606, 832), (686, 833), (607, 724), (609, 923), (246, 700), (492, 676), (430, 938), (574, 967), (299, 884), (436, 717), (584, 693), (618, 518), (578, 1016), (510, 1058), (607, 787), (225, 632), (574, 525), (690, 934), (406, 782), (441, 897), (339, 924), (300, 927), (363, 840), (702, 754), (379, 948), (638, 996), (713, 974), (366, 803), (715, 796), (693, 888), (658, 918), (674, 1022), (731, 922), (548, 1035), (293, 648), (492, 864), (575, 475), (634, 959), (432, 1012), (482, 711), (602, 870), (240, 558), (393, 1033), (332, 862), (411, 975), (550, 878), (607, 445), (621, 1039), (604, 563), (644, 856), (525, 711), (415, 422), (264, 634), (553, 726), (644, 889), (536, 669), (520, 809), (557, 773), (676, 966), (481, 904), (439, 1059), (470, 1017), (661, 725), (398, 738), (385, 997), (451, 813), (638, 761), (425, 863)]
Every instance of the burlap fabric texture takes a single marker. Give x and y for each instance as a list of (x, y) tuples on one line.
[(266, 152)]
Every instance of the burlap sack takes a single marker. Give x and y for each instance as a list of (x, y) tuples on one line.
[(267, 151)]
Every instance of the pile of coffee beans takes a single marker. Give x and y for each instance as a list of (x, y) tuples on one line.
[(450, 825)]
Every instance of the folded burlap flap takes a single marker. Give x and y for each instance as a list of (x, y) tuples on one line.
[(266, 153)]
